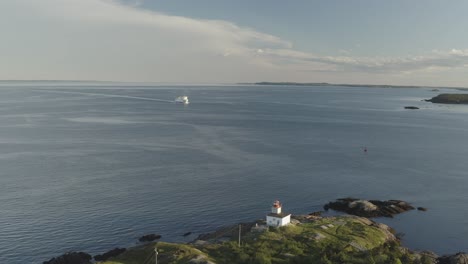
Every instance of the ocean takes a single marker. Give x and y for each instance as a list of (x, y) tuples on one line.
[(92, 166)]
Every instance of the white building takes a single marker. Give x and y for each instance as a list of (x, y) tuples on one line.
[(277, 217)]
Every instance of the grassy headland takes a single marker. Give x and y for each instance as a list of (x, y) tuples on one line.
[(343, 239)]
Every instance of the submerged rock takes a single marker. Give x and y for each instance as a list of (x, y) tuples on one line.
[(71, 258), (424, 209), (317, 213), (459, 258), (111, 253), (411, 107), (371, 208), (149, 238)]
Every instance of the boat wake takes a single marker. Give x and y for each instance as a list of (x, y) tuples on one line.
[(108, 95)]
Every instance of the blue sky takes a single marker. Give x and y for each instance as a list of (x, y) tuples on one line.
[(216, 41), (365, 27)]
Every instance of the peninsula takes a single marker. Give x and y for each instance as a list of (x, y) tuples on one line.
[(308, 238), (449, 99)]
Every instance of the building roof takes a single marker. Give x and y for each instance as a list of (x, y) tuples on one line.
[(282, 215)]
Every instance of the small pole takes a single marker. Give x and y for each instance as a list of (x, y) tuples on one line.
[(239, 233), (156, 254)]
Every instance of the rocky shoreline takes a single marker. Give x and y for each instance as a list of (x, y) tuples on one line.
[(369, 208), (359, 210)]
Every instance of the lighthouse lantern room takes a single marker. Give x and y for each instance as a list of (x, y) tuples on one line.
[(277, 217)]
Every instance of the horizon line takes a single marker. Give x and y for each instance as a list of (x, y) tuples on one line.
[(241, 83)]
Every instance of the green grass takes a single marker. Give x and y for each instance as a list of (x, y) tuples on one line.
[(298, 243), (168, 253), (349, 240)]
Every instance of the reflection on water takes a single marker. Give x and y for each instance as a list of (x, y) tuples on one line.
[(81, 170)]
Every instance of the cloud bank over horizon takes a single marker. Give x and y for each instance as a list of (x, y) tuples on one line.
[(110, 40)]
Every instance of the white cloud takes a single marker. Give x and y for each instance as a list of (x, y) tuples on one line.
[(344, 51), (435, 60), (133, 2), (116, 40), (104, 39)]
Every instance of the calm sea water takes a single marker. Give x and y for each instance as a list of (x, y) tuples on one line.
[(90, 168)]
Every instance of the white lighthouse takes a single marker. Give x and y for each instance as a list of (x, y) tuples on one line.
[(277, 217)]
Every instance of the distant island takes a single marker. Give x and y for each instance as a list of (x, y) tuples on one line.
[(333, 84), (449, 99), (349, 85)]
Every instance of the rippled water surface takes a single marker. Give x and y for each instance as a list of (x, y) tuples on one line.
[(90, 168)]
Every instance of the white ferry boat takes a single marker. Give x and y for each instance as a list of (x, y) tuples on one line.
[(182, 100)]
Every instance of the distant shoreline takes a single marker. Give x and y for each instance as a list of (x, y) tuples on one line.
[(148, 83), (349, 85)]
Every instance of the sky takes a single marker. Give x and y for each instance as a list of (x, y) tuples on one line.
[(418, 42)]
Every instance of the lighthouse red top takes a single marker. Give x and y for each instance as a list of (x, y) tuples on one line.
[(276, 204)]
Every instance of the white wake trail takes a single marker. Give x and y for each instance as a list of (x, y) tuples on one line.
[(108, 95)]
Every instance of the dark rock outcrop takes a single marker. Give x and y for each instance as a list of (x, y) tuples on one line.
[(371, 208), (71, 258), (459, 258), (449, 99), (428, 257), (149, 238), (411, 107), (318, 213), (111, 253)]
